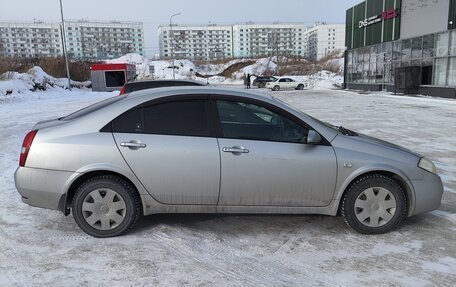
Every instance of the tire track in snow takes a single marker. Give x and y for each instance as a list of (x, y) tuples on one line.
[(7, 256), (238, 266)]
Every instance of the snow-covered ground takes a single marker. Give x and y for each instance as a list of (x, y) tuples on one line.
[(43, 248)]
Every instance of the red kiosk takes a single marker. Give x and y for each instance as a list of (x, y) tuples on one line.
[(111, 77)]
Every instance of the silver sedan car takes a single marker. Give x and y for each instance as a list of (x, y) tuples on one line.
[(211, 150)]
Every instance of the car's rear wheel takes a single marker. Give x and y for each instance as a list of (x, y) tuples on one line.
[(106, 206), (276, 88), (374, 204), (300, 87)]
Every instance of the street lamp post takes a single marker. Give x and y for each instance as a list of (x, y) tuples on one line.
[(172, 40), (64, 46)]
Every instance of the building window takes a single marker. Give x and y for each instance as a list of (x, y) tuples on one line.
[(453, 43), (428, 46), (442, 45), (440, 69), (406, 49), (452, 71), (417, 47)]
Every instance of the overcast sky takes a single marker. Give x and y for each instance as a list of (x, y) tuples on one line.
[(154, 13)]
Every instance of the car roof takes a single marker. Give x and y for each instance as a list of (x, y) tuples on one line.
[(170, 81), (197, 90), (154, 84)]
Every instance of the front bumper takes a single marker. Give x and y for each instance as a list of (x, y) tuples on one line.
[(41, 187), (428, 193)]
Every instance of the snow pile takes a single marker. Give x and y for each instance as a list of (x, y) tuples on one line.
[(142, 67), (325, 79), (32, 80), (163, 69)]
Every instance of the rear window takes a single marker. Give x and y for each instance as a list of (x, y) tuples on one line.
[(92, 108)]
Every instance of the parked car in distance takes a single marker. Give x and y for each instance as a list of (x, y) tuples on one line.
[(261, 81), (213, 150), (151, 84), (285, 83)]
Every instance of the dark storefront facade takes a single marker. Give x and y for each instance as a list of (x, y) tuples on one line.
[(383, 35)]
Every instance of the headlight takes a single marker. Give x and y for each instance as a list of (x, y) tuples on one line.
[(427, 165)]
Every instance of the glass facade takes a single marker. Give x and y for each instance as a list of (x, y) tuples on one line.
[(435, 54)]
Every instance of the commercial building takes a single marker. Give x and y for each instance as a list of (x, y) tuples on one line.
[(250, 40), (387, 38), (85, 39)]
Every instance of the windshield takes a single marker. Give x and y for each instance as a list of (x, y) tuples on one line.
[(92, 108)]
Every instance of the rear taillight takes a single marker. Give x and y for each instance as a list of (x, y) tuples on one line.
[(122, 91), (26, 145)]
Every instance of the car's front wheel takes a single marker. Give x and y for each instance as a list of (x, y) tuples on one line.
[(374, 204), (106, 206), (276, 88), (261, 85)]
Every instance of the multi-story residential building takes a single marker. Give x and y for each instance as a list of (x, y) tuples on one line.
[(104, 40), (255, 40), (85, 39), (250, 40), (196, 42), (37, 39), (324, 39)]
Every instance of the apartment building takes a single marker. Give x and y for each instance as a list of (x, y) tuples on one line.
[(103, 40), (196, 42), (250, 40), (323, 39), (256, 40), (23, 39), (85, 39)]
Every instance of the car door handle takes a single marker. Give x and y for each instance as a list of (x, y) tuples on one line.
[(235, 150), (133, 144)]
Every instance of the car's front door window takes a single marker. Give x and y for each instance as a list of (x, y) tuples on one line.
[(240, 120)]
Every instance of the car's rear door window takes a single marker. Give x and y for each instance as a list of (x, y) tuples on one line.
[(187, 118), (181, 117)]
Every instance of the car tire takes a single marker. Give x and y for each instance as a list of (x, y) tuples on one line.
[(106, 206), (261, 85), (300, 87), (374, 204), (276, 88)]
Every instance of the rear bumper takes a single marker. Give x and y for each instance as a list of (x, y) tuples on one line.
[(428, 193), (41, 187)]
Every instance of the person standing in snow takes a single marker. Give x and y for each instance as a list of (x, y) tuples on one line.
[(245, 81), (248, 81)]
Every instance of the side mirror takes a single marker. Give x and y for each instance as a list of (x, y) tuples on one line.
[(313, 137)]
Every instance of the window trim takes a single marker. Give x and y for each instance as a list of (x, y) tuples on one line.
[(215, 128)]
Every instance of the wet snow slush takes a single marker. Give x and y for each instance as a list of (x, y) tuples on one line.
[(40, 247)]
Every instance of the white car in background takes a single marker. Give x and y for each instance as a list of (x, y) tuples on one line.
[(285, 83)]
